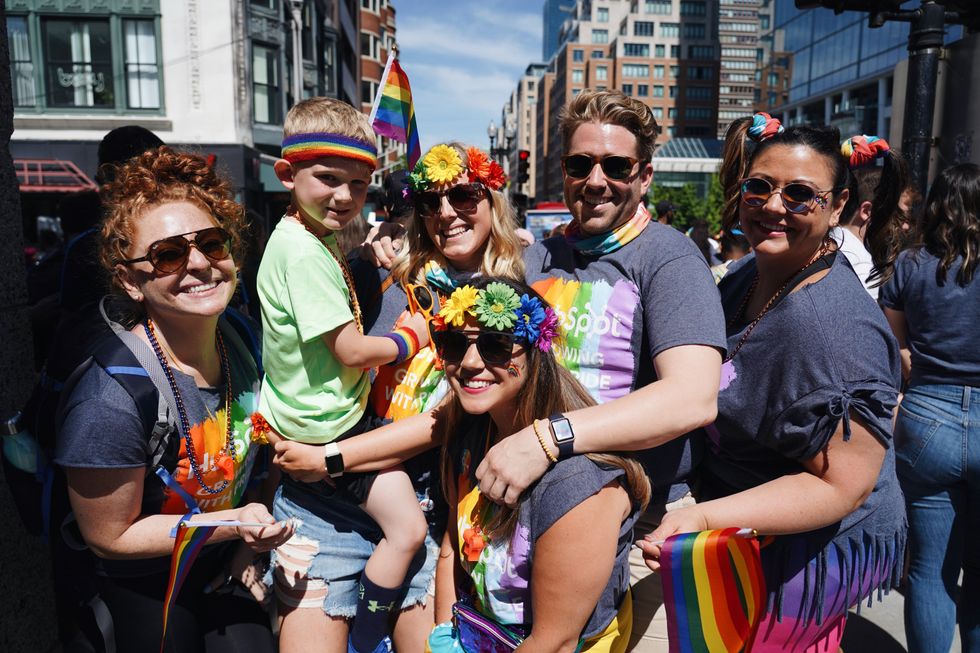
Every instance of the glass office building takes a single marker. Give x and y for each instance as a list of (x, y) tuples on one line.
[(840, 70)]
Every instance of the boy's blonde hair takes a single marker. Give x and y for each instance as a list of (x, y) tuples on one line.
[(324, 114)]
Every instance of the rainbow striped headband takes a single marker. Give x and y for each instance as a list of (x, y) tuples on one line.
[(316, 145)]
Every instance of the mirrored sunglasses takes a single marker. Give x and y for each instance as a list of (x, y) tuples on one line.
[(168, 255), (796, 198)]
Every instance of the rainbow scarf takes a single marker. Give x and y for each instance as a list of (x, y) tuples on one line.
[(609, 242), (714, 591), (188, 542), (317, 145), (393, 113)]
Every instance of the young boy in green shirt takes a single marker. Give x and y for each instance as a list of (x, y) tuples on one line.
[(316, 385)]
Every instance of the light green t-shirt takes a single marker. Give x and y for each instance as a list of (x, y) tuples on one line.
[(307, 394)]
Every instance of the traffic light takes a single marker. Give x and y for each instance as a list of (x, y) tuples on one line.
[(523, 160)]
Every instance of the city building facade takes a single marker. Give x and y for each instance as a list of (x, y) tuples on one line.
[(377, 42), (216, 77), (520, 113), (739, 24), (664, 53)]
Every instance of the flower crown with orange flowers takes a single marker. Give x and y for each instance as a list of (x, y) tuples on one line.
[(442, 165)]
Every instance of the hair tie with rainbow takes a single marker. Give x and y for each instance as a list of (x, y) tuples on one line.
[(862, 149), (764, 126), (316, 145)]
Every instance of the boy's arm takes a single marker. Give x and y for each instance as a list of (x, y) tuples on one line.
[(356, 350)]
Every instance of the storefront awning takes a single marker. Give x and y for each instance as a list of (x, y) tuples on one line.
[(51, 176)]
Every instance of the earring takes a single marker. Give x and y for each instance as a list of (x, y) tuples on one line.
[(512, 370)]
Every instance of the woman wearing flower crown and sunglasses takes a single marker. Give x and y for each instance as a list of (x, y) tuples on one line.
[(570, 535), (170, 243), (801, 448), (463, 228)]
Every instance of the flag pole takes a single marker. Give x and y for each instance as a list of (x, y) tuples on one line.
[(381, 84)]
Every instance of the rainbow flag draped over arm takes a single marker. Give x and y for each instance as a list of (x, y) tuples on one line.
[(393, 114), (188, 542), (714, 590)]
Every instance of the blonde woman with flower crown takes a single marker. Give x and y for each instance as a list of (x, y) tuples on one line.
[(463, 228)]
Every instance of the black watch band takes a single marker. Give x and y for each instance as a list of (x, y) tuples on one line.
[(333, 460), (563, 435)]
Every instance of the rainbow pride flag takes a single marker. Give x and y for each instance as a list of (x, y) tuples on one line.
[(714, 590), (393, 114), (188, 542)]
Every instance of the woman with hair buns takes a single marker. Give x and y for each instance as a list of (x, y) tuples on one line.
[(932, 302), (801, 449), (171, 241)]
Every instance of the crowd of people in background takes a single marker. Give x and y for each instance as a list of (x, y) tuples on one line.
[(453, 433)]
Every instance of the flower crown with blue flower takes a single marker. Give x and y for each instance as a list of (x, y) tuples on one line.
[(499, 307)]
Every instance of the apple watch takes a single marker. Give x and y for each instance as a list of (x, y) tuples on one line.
[(563, 435), (333, 460)]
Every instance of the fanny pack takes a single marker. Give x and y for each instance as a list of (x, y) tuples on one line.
[(478, 633)]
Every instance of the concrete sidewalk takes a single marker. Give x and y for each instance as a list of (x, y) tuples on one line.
[(881, 628)]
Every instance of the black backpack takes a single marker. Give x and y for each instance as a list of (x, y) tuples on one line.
[(41, 498)]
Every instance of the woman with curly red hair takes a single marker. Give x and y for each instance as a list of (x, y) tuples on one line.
[(170, 243)]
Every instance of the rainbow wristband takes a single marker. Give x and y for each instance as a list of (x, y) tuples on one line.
[(406, 341)]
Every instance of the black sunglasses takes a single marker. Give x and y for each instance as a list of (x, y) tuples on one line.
[(796, 198), (614, 166), (494, 347), (169, 255), (463, 198)]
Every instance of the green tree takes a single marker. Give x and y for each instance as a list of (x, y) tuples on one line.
[(689, 206)]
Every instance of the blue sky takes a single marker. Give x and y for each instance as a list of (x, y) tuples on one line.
[(463, 58)]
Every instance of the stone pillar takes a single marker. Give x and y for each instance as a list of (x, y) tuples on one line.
[(26, 602)]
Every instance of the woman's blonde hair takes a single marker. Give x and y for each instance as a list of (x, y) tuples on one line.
[(548, 388), (502, 257)]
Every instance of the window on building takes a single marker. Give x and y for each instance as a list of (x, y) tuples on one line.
[(370, 46), (370, 5), (658, 113), (658, 90), (773, 79), (662, 7), (672, 113), (636, 50), (368, 90), (693, 8), (643, 28), (694, 30), (673, 91), (266, 4), (576, 91), (601, 73), (697, 113), (642, 90), (78, 63), (675, 71), (658, 50), (699, 72), (21, 66), (700, 52), (627, 89), (600, 87), (142, 71), (602, 14), (265, 84), (670, 29), (598, 54), (600, 36), (675, 52), (578, 76), (698, 92), (671, 131), (636, 70), (578, 55), (658, 72)]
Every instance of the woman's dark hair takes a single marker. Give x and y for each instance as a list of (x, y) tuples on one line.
[(862, 184), (548, 388), (884, 235), (951, 226)]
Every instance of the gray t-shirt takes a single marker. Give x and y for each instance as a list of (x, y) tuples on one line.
[(942, 320), (817, 357), (621, 309)]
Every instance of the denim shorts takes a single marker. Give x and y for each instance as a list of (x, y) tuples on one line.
[(322, 563)]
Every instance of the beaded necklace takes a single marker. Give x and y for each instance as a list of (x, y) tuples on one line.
[(182, 409), (769, 304), (344, 270)]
